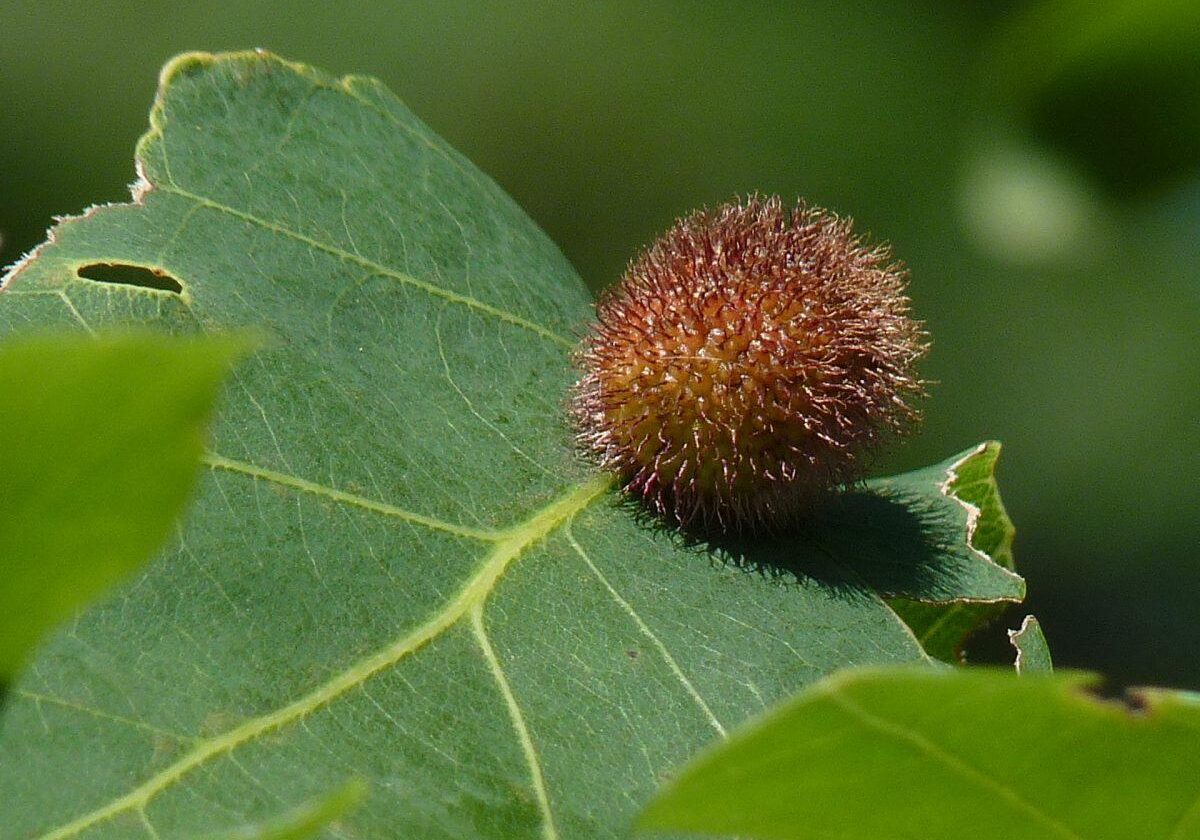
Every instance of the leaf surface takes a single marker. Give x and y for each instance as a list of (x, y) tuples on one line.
[(397, 569), (947, 754), (100, 449)]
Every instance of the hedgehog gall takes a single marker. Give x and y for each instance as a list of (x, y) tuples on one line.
[(748, 362)]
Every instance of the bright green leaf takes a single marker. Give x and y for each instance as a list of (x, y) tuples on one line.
[(1033, 653), (397, 567), (948, 754), (100, 444), (306, 820)]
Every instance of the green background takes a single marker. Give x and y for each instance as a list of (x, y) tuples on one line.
[(1035, 170)]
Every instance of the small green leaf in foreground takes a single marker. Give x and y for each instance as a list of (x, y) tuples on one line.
[(307, 819), (100, 448), (947, 754), (1033, 652)]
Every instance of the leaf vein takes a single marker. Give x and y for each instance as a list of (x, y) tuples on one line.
[(379, 268), (515, 542), (900, 732), (75, 313), (35, 697), (220, 462), (492, 427), (549, 830), (648, 633)]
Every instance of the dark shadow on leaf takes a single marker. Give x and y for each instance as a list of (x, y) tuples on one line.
[(856, 541), (897, 544)]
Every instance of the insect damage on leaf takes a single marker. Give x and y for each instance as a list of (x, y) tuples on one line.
[(138, 276), (746, 363)]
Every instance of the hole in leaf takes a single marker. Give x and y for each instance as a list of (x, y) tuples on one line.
[(131, 275)]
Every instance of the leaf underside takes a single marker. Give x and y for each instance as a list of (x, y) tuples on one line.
[(396, 568), (943, 629)]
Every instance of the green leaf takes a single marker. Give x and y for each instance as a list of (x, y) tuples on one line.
[(1033, 653), (943, 629), (397, 567), (920, 534), (100, 450), (306, 820), (936, 754)]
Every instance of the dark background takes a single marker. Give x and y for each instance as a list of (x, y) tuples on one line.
[(1034, 164)]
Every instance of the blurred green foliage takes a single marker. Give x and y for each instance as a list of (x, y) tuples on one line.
[(307, 819), (1113, 83), (100, 452), (1049, 217)]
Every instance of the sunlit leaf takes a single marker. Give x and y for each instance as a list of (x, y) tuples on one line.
[(100, 444), (947, 754), (1033, 653)]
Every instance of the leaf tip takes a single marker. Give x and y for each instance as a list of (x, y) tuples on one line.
[(186, 63), (1033, 654)]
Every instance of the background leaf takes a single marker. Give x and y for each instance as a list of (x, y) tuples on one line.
[(397, 568), (929, 753), (100, 447)]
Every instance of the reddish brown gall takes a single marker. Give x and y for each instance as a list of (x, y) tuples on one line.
[(748, 362)]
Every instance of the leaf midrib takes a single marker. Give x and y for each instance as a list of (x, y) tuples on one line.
[(513, 542)]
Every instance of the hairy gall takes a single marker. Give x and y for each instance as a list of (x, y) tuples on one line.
[(748, 362)]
